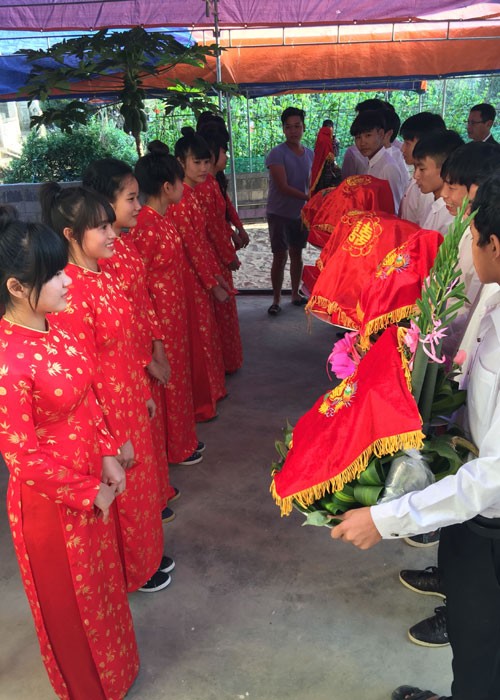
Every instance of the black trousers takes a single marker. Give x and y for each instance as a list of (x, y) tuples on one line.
[(470, 569)]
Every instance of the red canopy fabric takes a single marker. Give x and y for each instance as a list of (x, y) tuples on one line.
[(47, 15)]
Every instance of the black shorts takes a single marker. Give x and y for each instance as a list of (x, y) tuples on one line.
[(286, 233)]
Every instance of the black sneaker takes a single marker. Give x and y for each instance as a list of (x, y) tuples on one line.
[(431, 632), (426, 540), (167, 564), (201, 447), (167, 515), (426, 581), (157, 582), (195, 458), (176, 495)]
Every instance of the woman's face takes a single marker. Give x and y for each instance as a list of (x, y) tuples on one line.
[(195, 169), (127, 204), (53, 294), (99, 242)]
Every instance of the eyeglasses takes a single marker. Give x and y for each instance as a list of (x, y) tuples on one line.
[(478, 121)]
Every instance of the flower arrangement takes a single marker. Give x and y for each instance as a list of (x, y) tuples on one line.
[(391, 471)]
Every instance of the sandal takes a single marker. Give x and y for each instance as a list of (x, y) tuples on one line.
[(409, 692), (299, 302), (274, 310)]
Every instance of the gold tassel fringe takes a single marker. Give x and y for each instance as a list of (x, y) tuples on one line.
[(330, 307), (380, 448), (381, 322)]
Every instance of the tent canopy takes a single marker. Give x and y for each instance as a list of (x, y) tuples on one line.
[(278, 60), (46, 15), (274, 47)]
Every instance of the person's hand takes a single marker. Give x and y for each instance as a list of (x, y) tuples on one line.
[(357, 527), (220, 294), (151, 408), (158, 371), (234, 264), (113, 474), (104, 499), (126, 455), (244, 237), (222, 282), (238, 243)]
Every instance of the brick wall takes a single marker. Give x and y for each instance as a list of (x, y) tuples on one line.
[(252, 194)]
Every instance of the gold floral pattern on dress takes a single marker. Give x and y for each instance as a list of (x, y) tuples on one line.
[(54, 474)]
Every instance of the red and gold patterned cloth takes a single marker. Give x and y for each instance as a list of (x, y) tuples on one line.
[(99, 315), (391, 291), (161, 248), (364, 238), (53, 437), (219, 234), (371, 412), (129, 273), (207, 365), (356, 193)]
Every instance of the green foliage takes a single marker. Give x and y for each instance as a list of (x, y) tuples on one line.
[(122, 60), (257, 126), (63, 157)]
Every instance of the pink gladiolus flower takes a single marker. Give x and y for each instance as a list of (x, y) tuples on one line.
[(460, 357), (411, 341), (432, 340), (411, 337), (344, 357)]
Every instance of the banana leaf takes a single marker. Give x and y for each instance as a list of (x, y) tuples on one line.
[(367, 495)]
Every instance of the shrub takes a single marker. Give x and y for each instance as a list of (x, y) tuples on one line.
[(63, 157)]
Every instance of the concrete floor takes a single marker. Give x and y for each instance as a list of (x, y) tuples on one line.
[(259, 607)]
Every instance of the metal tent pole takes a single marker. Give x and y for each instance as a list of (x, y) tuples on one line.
[(231, 150), (218, 62), (249, 135)]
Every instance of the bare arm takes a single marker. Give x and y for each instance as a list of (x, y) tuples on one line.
[(278, 173)]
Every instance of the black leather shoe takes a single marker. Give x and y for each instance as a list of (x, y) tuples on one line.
[(409, 692), (426, 581), (431, 632)]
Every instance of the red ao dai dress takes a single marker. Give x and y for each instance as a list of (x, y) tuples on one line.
[(53, 438), (127, 269), (161, 248), (100, 317), (206, 350), (219, 234)]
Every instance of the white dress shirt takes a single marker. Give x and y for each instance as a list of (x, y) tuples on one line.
[(400, 162), (383, 166), (354, 163), (415, 206), (475, 489), (439, 218)]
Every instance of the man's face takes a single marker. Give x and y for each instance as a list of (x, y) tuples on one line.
[(478, 128), (369, 142), (407, 150), (428, 176), (293, 128), (453, 195)]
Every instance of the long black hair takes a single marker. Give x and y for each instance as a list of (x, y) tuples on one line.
[(156, 168), (77, 208), (107, 176), (31, 253), (191, 143)]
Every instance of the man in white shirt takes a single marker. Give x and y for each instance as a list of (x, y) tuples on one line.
[(466, 505), (415, 206), (429, 155), (368, 130)]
